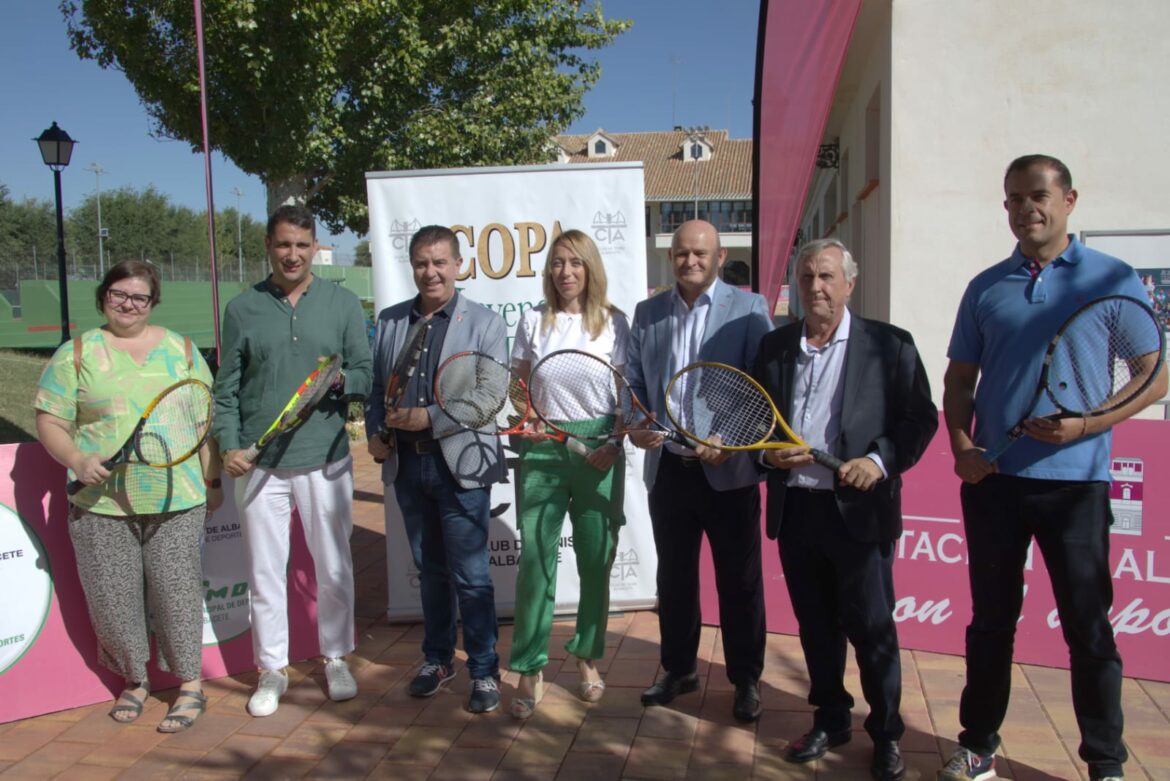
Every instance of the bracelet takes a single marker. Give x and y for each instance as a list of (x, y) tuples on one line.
[(1084, 426), (215, 482)]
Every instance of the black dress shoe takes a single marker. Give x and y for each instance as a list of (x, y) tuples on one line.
[(887, 761), (747, 702), (814, 743), (668, 687)]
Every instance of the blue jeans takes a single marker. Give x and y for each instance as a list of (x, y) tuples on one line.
[(447, 527)]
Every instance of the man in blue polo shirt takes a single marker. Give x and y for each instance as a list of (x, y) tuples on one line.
[(1052, 486)]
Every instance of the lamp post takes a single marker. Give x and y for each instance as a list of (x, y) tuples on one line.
[(56, 149), (97, 172), (239, 233)]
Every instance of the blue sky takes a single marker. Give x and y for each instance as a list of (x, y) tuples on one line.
[(680, 64)]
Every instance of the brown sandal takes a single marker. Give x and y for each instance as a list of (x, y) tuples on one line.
[(175, 714)]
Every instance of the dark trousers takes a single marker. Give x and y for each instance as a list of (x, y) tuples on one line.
[(684, 507), (842, 592), (1070, 523)]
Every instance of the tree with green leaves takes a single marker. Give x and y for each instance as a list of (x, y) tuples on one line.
[(310, 94)]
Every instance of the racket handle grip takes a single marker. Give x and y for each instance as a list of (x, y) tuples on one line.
[(383, 435), (827, 460), (73, 487), (676, 438), (251, 454), (578, 447)]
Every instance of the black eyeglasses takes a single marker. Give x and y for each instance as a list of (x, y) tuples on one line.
[(137, 300)]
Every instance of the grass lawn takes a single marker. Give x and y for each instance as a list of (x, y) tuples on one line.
[(23, 370)]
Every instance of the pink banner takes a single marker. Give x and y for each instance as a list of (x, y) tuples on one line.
[(802, 48), (48, 651), (933, 596)]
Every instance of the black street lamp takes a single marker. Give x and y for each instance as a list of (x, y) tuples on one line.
[(56, 149)]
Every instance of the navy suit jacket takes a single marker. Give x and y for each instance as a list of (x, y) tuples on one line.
[(474, 459), (887, 408), (736, 321)]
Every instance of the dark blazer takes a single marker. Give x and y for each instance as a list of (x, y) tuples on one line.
[(887, 408)]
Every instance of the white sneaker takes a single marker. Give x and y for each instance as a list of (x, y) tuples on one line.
[(266, 698), (342, 686)]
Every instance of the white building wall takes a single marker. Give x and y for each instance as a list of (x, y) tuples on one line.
[(974, 85)]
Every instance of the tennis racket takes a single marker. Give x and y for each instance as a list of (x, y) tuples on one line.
[(172, 429), (301, 405), (721, 406), (482, 394), (581, 396), (1105, 355), (403, 369)]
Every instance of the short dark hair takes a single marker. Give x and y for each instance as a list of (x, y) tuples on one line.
[(1063, 176), (130, 269), (433, 234), (293, 215)]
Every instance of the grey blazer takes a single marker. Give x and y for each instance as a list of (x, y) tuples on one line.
[(474, 459), (736, 322)]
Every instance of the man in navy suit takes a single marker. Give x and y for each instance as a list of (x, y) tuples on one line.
[(701, 491), (855, 388), (442, 475)]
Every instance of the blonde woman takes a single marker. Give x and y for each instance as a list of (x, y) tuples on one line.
[(554, 480)]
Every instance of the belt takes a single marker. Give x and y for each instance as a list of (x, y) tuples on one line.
[(422, 447), (684, 460), (802, 489)]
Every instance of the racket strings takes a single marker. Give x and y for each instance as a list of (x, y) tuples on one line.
[(579, 394), (314, 388), (1099, 361), (724, 404), (176, 425), (475, 390)]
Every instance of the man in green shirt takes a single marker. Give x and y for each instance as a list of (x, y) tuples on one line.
[(273, 336)]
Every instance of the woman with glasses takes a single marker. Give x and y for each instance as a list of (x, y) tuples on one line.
[(554, 480), (137, 531)]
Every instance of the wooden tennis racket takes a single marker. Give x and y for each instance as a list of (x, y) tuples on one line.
[(405, 365), (301, 405), (174, 426), (721, 406)]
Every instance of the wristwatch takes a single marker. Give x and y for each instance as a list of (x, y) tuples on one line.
[(215, 482)]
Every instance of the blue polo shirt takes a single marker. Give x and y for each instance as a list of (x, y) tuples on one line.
[(1006, 319)]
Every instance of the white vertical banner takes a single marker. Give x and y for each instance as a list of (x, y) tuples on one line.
[(506, 219)]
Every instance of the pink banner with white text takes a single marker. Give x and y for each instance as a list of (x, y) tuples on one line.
[(48, 651), (933, 595)]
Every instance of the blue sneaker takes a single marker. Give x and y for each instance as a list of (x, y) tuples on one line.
[(430, 678), (966, 765)]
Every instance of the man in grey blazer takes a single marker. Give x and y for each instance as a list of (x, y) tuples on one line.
[(442, 475), (701, 491)]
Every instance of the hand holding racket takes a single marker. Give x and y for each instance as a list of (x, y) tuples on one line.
[(171, 430), (1105, 355), (300, 406), (720, 406), (401, 372), (482, 394), (580, 396)]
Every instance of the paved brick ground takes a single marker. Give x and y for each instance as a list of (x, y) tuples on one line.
[(384, 733)]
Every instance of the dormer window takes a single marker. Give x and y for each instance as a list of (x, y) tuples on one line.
[(696, 151), (695, 147), (600, 145), (599, 149)]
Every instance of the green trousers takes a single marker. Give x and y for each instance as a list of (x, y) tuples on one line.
[(553, 481)]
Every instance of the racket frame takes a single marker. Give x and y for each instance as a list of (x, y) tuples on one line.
[(1016, 432), (132, 445), (312, 391), (768, 441)]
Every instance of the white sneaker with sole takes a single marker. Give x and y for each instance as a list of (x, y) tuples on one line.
[(342, 686), (265, 700)]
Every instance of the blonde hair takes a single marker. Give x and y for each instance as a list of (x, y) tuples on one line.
[(595, 307)]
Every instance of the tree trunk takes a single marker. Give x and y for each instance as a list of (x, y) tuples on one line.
[(289, 190)]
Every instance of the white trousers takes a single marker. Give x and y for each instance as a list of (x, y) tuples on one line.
[(324, 497)]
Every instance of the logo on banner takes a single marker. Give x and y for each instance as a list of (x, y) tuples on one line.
[(24, 571), (225, 579), (609, 231), (400, 233), (1125, 495), (624, 575)]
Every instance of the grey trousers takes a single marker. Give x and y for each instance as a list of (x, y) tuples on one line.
[(143, 575)]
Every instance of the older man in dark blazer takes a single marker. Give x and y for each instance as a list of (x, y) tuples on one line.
[(857, 389)]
